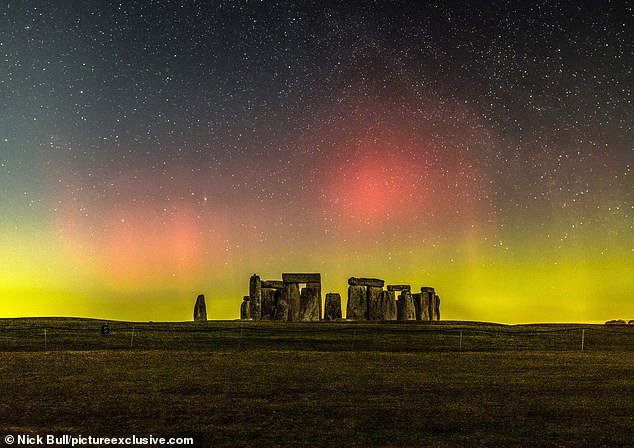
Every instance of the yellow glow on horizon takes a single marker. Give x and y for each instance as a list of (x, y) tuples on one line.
[(39, 277)]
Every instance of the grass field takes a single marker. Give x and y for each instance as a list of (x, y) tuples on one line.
[(335, 385)]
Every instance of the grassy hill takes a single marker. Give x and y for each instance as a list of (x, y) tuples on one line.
[(322, 384)]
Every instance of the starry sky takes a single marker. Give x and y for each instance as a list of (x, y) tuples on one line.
[(151, 151)]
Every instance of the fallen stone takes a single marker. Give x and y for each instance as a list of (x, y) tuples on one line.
[(374, 282), (200, 310), (309, 305), (332, 310), (631, 322), (245, 309), (357, 307)]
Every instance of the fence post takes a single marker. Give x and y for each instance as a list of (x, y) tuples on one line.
[(583, 339), (460, 340), (45, 341)]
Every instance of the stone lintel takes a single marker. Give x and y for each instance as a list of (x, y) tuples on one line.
[(399, 288), (374, 282), (427, 289), (275, 284), (301, 278)]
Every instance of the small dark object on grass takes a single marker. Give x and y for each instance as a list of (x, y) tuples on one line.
[(616, 322)]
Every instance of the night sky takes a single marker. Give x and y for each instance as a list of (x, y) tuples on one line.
[(152, 151)]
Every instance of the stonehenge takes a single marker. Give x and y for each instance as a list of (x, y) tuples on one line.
[(283, 300), (367, 300), (297, 298)]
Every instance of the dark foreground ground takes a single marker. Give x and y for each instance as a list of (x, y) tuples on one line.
[(336, 385)]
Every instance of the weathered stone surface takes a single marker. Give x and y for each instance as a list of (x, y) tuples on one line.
[(437, 305), (245, 309), (301, 278), (275, 284), (309, 305), (255, 297), (357, 307), (316, 286), (200, 310), (428, 305), (332, 309), (268, 303), (375, 282), (631, 322), (281, 310), (401, 309), (616, 322), (388, 304), (434, 307), (418, 305), (375, 303), (399, 288), (405, 306), (293, 300)]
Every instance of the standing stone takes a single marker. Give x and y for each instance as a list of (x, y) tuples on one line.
[(293, 301), (437, 307), (333, 307), (389, 305), (200, 310), (375, 304), (418, 305), (401, 308), (357, 308), (281, 305), (245, 309), (309, 305), (255, 295), (316, 286), (268, 303), (428, 308), (405, 305)]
